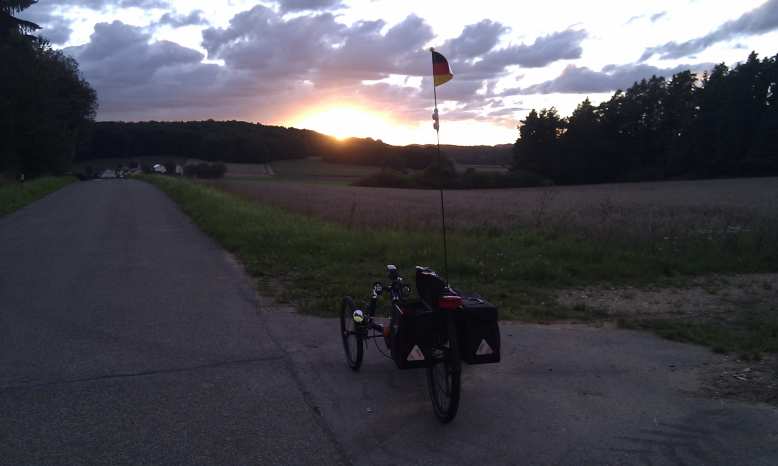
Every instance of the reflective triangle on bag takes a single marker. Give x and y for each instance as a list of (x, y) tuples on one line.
[(415, 354), (484, 349)]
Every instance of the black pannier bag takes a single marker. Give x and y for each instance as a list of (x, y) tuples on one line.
[(478, 331), (416, 332)]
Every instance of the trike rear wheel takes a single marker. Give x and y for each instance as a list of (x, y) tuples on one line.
[(352, 334), (444, 375)]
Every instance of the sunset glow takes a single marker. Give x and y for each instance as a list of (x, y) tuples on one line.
[(346, 121)]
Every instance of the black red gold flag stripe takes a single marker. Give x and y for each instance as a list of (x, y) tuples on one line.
[(441, 72)]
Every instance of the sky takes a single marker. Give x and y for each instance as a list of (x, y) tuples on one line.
[(362, 68)]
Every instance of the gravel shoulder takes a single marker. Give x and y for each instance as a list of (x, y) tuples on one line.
[(720, 300)]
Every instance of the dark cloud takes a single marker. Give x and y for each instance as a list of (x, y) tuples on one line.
[(758, 21), (308, 5), (194, 18), (318, 47), (582, 80), (131, 72), (475, 40), (366, 53), (563, 45)]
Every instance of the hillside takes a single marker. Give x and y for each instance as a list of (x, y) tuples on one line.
[(243, 142)]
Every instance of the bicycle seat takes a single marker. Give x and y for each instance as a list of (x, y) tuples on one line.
[(430, 286), (392, 272)]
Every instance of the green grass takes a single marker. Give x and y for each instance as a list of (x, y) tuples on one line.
[(317, 170), (316, 262), (16, 195), (750, 335)]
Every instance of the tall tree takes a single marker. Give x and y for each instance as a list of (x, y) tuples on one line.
[(11, 25), (584, 157), (46, 107), (680, 110), (537, 149)]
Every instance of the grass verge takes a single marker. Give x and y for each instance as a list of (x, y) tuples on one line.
[(317, 262), (15, 195), (749, 336)]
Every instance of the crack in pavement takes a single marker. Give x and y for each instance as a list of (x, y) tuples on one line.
[(234, 362)]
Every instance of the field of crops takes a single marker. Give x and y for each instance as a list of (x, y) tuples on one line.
[(641, 210), (311, 170)]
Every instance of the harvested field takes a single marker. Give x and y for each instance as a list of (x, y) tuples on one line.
[(656, 210), (249, 170), (311, 170)]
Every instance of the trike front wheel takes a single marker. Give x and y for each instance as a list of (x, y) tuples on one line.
[(352, 335)]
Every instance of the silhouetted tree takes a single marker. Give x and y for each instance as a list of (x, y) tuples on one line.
[(11, 26), (722, 124), (45, 106)]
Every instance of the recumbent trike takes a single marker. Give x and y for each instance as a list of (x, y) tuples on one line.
[(437, 331)]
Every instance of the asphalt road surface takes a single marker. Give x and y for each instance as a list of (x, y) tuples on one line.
[(128, 337)]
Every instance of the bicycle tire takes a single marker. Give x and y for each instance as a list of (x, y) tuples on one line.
[(444, 378), (352, 336)]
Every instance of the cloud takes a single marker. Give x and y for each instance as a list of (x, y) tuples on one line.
[(654, 17), (55, 29), (194, 18), (562, 45), (102, 4), (138, 78), (477, 64), (582, 80), (758, 21), (475, 40), (131, 72), (317, 47), (657, 16), (308, 5)]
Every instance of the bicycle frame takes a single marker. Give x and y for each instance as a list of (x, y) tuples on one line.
[(396, 290)]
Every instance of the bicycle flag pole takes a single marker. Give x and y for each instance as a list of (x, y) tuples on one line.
[(441, 74)]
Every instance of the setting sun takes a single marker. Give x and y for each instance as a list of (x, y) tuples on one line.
[(346, 121)]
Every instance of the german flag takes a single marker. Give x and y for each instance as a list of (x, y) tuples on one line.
[(440, 69)]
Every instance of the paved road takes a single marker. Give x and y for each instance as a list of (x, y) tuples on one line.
[(563, 395), (129, 337)]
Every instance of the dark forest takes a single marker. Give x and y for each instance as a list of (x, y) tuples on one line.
[(723, 124)]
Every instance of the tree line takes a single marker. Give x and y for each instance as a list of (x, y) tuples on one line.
[(225, 141), (721, 124), (46, 107), (243, 142)]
